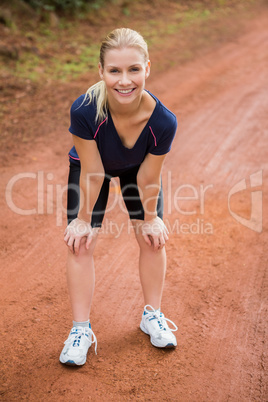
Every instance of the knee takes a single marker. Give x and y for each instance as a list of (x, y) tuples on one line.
[(149, 250), (83, 251), (90, 249), (143, 246)]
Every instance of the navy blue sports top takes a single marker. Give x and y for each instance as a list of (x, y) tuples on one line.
[(156, 137)]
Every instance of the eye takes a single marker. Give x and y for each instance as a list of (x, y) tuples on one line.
[(135, 69), (113, 70)]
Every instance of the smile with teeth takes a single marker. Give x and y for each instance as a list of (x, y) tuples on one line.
[(125, 91)]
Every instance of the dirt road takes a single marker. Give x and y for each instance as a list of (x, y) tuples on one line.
[(216, 285)]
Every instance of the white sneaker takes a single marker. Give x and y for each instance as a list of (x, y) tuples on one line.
[(76, 346), (154, 323)]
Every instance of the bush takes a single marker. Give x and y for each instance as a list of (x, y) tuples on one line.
[(64, 5)]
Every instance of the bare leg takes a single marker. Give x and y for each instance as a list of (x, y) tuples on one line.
[(152, 268), (81, 280)]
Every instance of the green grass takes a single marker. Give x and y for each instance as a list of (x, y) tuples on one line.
[(65, 52)]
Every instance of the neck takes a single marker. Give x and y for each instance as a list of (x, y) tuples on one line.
[(118, 110)]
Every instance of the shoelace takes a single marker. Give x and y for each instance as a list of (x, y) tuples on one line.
[(76, 334), (156, 314)]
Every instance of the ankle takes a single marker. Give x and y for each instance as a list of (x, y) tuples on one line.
[(83, 324)]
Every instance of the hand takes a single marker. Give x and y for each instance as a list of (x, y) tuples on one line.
[(155, 233), (75, 231)]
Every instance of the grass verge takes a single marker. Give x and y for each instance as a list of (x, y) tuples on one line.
[(61, 49)]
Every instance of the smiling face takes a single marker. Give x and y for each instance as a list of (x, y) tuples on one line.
[(124, 73)]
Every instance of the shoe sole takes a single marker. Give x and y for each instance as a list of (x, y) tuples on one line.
[(167, 346), (72, 362)]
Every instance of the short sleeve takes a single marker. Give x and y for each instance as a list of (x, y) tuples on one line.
[(164, 141), (80, 119)]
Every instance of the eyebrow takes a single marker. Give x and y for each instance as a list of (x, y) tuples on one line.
[(133, 65)]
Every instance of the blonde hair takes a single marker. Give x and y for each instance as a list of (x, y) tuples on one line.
[(117, 39)]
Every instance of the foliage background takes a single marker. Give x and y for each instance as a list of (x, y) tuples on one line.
[(59, 39)]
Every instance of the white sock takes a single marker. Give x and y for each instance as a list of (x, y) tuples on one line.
[(83, 324)]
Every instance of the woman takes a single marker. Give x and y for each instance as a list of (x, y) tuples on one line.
[(119, 129)]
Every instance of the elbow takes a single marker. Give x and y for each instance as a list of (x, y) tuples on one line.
[(96, 177), (141, 180), (145, 180)]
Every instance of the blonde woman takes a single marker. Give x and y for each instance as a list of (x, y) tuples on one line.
[(119, 130)]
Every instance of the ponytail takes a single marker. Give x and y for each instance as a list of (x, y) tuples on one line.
[(98, 93)]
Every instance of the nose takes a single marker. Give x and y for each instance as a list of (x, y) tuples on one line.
[(124, 80)]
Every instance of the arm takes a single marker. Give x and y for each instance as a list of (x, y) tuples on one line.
[(149, 182), (91, 180)]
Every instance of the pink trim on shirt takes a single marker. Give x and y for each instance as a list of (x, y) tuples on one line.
[(99, 127), (77, 159), (153, 136)]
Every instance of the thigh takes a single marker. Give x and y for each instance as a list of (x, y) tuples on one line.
[(73, 197), (131, 195)]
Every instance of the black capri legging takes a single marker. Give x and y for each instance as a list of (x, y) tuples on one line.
[(129, 189)]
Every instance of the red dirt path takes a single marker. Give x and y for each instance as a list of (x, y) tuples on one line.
[(216, 285)]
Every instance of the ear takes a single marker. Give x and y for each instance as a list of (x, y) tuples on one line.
[(147, 69), (100, 71)]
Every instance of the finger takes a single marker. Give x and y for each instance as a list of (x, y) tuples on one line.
[(76, 245), (95, 232), (161, 241), (147, 239), (155, 242), (166, 229), (89, 240), (165, 236), (67, 230), (70, 244), (66, 238)]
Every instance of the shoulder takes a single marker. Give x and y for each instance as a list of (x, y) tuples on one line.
[(82, 118), (167, 119), (82, 108), (163, 118), (163, 127)]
